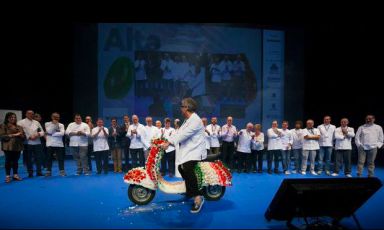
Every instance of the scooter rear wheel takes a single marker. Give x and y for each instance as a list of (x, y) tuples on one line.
[(140, 195), (213, 192)]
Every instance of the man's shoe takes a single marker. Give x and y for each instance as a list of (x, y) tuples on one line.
[(196, 208)]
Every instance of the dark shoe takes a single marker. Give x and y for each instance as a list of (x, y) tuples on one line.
[(269, 171), (98, 172), (170, 175), (39, 174), (196, 208), (30, 175), (259, 171), (48, 173)]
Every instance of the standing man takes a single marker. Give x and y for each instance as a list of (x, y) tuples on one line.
[(327, 131), (274, 146), (286, 144), (168, 160), (33, 149), (151, 132), (100, 146), (343, 146), (78, 133), (244, 148), (228, 134), (213, 130), (55, 132), (297, 145), (136, 133), (369, 138), (310, 146)]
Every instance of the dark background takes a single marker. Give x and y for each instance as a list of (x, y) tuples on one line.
[(335, 57)]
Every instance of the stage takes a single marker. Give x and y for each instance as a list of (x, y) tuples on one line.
[(100, 201)]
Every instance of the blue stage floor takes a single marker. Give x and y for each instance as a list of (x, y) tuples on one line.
[(100, 201)]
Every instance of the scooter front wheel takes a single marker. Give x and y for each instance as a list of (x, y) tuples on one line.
[(213, 192), (140, 195)]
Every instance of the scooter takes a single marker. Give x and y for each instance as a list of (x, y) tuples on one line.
[(213, 178)]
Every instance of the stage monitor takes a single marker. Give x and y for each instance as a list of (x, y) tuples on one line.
[(321, 197)]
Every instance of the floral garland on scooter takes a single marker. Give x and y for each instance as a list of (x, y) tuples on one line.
[(148, 174), (208, 173)]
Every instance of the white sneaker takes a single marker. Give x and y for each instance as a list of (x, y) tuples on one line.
[(303, 173), (328, 173), (196, 208), (314, 173), (348, 175), (319, 172), (334, 174), (287, 172), (294, 171)]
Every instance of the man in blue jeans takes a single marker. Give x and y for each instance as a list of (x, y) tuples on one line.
[(327, 135)]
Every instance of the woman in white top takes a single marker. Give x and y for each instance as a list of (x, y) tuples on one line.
[(257, 149)]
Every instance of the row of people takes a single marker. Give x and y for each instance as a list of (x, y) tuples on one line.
[(134, 140), (298, 144)]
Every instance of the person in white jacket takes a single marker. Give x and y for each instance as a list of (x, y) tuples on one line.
[(190, 146), (78, 133), (274, 146), (327, 135), (297, 145), (286, 146), (55, 132), (369, 137), (244, 148), (343, 146), (310, 146)]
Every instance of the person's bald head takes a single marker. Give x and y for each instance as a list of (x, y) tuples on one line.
[(135, 119)]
